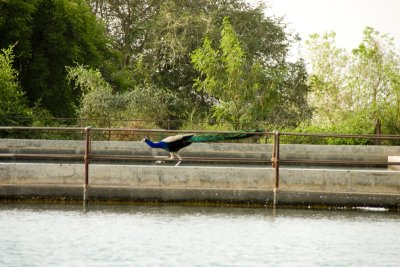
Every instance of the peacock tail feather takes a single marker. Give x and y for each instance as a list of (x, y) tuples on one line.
[(222, 136)]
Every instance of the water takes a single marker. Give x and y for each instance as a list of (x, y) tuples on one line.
[(132, 235)]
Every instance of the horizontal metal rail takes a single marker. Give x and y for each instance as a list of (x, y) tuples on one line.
[(177, 131), (337, 162), (132, 158), (157, 131), (132, 130), (349, 136), (188, 159), (42, 156), (27, 128), (193, 159)]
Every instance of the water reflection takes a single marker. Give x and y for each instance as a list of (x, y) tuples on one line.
[(167, 235)]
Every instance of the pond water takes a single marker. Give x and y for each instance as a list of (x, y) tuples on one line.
[(134, 235)]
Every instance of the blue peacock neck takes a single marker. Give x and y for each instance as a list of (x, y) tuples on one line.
[(154, 145)]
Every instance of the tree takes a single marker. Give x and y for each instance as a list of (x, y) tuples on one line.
[(98, 104), (375, 79), (327, 80), (157, 39), (101, 106), (355, 92), (128, 21), (13, 103), (51, 34), (291, 107), (227, 77), (16, 27), (245, 88)]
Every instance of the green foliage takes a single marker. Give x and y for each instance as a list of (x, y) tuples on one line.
[(292, 106), (157, 39), (101, 107), (328, 74), (16, 26), (227, 77), (143, 49), (13, 102), (352, 92), (357, 125), (14, 110), (50, 35), (246, 90), (376, 78)]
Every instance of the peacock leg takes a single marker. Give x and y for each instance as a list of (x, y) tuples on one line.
[(171, 156), (180, 159)]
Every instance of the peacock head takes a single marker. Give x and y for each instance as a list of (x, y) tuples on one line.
[(145, 139)]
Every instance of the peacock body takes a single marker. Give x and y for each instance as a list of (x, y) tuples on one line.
[(173, 144)]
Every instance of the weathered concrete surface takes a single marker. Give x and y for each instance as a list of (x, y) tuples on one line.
[(139, 195), (203, 184), (136, 176), (340, 181), (235, 184), (395, 159), (41, 174), (259, 151), (295, 198), (291, 179)]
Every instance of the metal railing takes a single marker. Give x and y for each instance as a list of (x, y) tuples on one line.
[(86, 135)]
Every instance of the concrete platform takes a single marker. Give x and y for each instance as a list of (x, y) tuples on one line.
[(394, 159), (194, 182), (201, 184), (227, 150)]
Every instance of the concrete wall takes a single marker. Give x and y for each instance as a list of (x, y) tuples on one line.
[(291, 179), (231, 184), (202, 184), (234, 150), (136, 176)]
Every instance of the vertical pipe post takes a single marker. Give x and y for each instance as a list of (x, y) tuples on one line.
[(277, 134), (273, 152), (275, 165), (109, 131), (86, 163)]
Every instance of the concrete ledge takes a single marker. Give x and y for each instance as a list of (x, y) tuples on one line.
[(177, 195), (137, 176), (295, 198), (204, 177), (235, 185), (340, 181), (41, 192), (199, 196), (129, 194), (205, 184), (394, 159), (227, 150), (41, 173)]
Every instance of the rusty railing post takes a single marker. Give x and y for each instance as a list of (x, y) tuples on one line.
[(275, 164), (277, 141), (86, 163), (273, 152)]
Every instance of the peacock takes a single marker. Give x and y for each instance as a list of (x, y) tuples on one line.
[(173, 144)]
